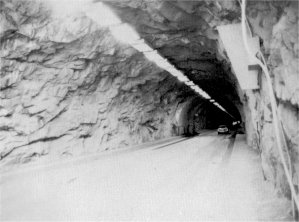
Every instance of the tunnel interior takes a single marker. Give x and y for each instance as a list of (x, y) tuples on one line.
[(197, 114), (69, 86), (193, 48), (77, 87)]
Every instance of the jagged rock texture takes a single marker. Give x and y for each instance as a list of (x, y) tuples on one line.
[(277, 25), (185, 32), (66, 85), (67, 88)]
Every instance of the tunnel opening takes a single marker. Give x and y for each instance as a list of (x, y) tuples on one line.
[(116, 96), (198, 114), (69, 86), (200, 57)]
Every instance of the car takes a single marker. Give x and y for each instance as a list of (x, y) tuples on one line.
[(223, 129)]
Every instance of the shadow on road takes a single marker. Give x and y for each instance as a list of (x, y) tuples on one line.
[(230, 146)]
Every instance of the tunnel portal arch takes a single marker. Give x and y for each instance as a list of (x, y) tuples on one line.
[(196, 114)]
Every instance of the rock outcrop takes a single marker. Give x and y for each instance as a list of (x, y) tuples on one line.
[(68, 87), (277, 25), (185, 32)]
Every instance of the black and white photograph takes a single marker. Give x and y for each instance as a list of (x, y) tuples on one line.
[(149, 110)]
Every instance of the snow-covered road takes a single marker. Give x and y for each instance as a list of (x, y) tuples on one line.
[(208, 177)]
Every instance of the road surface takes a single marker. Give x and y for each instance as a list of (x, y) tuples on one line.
[(207, 177)]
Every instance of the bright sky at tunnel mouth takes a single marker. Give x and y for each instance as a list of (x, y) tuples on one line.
[(126, 34)]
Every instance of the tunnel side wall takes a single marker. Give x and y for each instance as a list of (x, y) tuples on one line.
[(68, 88), (276, 23), (190, 116)]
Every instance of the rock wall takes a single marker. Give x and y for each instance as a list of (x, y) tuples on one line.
[(67, 88), (276, 23)]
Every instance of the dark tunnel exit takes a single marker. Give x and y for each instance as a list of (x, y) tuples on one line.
[(199, 114)]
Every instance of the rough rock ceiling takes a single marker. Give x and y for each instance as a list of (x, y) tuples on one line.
[(67, 87), (65, 81), (185, 33)]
